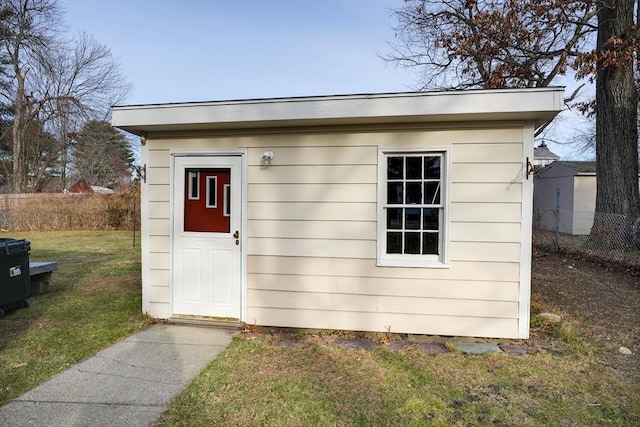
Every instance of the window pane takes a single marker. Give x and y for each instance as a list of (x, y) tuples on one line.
[(432, 193), (212, 192), (430, 219), (227, 200), (412, 220), (394, 243), (412, 243), (414, 193), (394, 219), (430, 243), (414, 167), (413, 210), (395, 168), (193, 184), (432, 167), (394, 193)]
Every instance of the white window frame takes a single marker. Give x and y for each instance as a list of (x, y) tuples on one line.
[(408, 260), (227, 195), (191, 184)]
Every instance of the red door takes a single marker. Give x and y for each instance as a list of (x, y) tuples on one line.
[(207, 200)]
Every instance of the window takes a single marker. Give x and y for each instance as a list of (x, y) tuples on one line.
[(212, 192), (227, 200), (193, 179), (412, 208)]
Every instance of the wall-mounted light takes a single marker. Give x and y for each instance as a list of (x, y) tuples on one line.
[(267, 157)]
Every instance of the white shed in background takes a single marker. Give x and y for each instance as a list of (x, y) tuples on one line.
[(408, 212), (564, 197)]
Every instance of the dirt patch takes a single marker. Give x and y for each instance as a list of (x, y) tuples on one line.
[(603, 300)]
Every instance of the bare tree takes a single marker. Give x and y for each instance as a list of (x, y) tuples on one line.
[(492, 43), (27, 32), (83, 83), (55, 82)]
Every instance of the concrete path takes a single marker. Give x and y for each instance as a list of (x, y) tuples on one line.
[(127, 384)]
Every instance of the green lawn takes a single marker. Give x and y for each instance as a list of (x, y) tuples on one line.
[(94, 300), (254, 383)]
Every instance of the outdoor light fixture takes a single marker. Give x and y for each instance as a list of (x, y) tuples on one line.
[(267, 157)]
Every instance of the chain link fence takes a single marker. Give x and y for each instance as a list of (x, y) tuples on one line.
[(603, 236)]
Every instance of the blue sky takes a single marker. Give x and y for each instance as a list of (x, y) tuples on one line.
[(203, 50), (206, 50)]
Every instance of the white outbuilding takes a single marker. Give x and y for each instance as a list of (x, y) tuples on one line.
[(408, 212)]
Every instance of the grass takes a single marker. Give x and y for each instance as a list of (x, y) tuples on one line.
[(256, 383), (94, 300)]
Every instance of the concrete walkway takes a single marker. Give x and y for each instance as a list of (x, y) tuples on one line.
[(127, 384)]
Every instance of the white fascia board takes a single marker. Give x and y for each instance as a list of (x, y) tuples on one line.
[(539, 105)]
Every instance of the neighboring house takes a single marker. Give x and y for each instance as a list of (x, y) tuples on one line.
[(542, 156), (406, 212), (83, 187), (564, 197)]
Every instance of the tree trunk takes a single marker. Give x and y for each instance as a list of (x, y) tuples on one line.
[(616, 129), (19, 172)]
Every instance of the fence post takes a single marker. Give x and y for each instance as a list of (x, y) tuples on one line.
[(556, 241)]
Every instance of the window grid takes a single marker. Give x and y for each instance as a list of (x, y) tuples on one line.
[(413, 209)]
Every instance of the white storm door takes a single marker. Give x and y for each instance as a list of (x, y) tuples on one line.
[(207, 251)]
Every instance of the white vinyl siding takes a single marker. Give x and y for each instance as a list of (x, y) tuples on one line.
[(312, 231)]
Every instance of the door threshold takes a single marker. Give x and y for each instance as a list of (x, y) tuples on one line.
[(218, 322)]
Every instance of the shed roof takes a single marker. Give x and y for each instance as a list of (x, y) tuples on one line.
[(567, 168), (581, 167), (535, 104)]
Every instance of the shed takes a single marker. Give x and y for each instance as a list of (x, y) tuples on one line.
[(81, 186), (405, 212), (564, 197)]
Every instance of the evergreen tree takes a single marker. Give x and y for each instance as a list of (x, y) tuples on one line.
[(102, 155)]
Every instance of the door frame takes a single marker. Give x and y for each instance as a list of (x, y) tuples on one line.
[(242, 154)]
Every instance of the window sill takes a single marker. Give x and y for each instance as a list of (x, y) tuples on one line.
[(411, 263)]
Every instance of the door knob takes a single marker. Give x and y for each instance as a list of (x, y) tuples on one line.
[(236, 234)]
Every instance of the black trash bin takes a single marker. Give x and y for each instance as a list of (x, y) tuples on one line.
[(15, 281)]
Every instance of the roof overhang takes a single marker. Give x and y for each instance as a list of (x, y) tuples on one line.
[(539, 105)]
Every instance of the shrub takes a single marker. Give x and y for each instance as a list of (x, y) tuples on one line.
[(58, 212)]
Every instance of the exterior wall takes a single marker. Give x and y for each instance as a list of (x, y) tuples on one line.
[(311, 238), (584, 203)]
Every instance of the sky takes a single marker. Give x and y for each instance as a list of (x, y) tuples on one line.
[(208, 50), (205, 50)]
